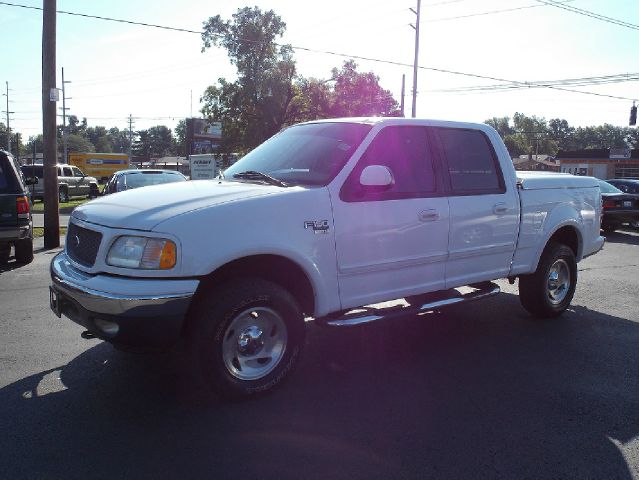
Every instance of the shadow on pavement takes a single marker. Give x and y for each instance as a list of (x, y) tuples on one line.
[(621, 236), (480, 392)]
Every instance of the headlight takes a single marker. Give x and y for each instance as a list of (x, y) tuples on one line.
[(143, 252)]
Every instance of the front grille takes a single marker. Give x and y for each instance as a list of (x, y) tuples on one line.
[(83, 244)]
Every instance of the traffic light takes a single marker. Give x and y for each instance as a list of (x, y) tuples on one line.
[(633, 115)]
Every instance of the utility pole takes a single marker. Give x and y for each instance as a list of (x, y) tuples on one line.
[(8, 126), (416, 62), (50, 150), (130, 138), (64, 118), (403, 94)]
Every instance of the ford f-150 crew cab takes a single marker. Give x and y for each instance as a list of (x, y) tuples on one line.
[(319, 221)]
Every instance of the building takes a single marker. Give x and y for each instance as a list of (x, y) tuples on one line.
[(601, 163), (536, 162)]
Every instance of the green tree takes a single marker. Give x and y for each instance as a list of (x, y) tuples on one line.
[(119, 140), (78, 143), (142, 145), (100, 139), (179, 138), (161, 140), (255, 106), (359, 94)]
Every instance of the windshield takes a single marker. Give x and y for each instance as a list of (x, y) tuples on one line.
[(608, 188), (142, 179), (309, 155)]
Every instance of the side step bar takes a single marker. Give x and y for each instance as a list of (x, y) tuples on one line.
[(439, 301)]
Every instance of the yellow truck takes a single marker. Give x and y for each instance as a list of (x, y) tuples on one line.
[(99, 165)]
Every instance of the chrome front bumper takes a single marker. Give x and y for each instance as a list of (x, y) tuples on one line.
[(148, 312)]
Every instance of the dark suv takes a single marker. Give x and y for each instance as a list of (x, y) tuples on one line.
[(16, 226)]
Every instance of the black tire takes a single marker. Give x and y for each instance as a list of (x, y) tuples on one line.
[(248, 314), (94, 191), (24, 250), (5, 252), (547, 293), (63, 195)]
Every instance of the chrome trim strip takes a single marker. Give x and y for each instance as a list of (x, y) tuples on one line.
[(385, 266), (481, 251)]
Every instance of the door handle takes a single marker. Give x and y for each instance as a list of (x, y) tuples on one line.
[(428, 215), (500, 208)]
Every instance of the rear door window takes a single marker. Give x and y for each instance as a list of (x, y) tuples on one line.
[(67, 172), (8, 182), (473, 168)]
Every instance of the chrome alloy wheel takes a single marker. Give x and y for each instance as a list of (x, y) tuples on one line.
[(254, 343), (558, 281)]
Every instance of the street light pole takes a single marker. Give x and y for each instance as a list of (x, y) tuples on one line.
[(416, 62)]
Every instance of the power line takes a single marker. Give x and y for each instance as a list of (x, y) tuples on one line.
[(344, 55), (588, 13)]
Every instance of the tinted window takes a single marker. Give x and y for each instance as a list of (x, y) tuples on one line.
[(8, 182), (404, 150), (310, 154), (472, 165), (77, 172), (67, 172), (32, 171)]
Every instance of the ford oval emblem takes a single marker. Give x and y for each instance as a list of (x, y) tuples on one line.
[(77, 241)]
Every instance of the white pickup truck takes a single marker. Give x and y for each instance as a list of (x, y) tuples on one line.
[(322, 219)]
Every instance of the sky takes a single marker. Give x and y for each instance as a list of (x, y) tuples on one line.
[(157, 75)]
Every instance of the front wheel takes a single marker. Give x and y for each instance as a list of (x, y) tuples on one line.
[(246, 337), (548, 292)]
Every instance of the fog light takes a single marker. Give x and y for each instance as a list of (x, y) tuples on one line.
[(110, 329)]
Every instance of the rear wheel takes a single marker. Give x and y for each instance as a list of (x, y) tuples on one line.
[(63, 195), (94, 191), (246, 338), (548, 292), (5, 252), (24, 250)]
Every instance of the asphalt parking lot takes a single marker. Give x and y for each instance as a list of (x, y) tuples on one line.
[(481, 391)]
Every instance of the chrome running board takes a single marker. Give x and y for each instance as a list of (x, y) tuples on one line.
[(440, 301)]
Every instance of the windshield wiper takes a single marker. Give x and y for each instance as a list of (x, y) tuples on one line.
[(254, 175)]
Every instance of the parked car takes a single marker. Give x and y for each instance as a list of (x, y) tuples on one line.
[(618, 207), (626, 185), (128, 179), (16, 226), (322, 220), (72, 182)]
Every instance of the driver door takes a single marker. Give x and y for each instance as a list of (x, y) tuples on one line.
[(392, 242)]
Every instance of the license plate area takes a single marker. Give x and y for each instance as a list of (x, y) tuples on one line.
[(627, 204), (54, 302)]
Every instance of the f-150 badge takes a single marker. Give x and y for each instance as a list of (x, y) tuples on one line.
[(318, 226)]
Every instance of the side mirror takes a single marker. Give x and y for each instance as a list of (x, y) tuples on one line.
[(376, 176)]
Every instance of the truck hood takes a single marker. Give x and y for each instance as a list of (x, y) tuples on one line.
[(144, 208)]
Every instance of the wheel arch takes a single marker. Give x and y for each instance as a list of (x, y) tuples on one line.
[(275, 268), (567, 234)]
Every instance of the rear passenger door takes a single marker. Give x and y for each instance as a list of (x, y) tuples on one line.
[(484, 208), (71, 182)]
